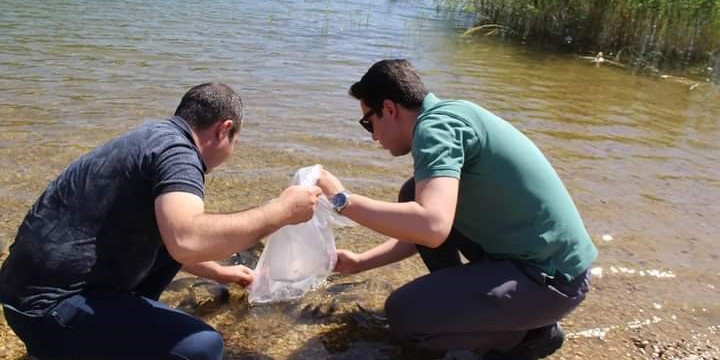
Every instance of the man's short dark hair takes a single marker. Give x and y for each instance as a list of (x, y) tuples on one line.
[(205, 104), (393, 79)]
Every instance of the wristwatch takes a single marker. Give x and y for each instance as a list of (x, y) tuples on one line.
[(340, 200)]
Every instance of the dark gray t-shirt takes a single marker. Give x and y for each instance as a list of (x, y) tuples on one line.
[(94, 226)]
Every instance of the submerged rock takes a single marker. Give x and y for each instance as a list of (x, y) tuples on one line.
[(197, 296)]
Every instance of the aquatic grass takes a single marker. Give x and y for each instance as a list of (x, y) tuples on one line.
[(652, 34)]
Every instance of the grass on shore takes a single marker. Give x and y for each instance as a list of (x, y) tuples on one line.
[(649, 34)]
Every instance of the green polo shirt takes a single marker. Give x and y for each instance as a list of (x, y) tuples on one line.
[(511, 201)]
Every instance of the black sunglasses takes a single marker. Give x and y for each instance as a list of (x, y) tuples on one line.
[(365, 121)]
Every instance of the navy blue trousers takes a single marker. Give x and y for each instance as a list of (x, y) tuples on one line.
[(103, 323)]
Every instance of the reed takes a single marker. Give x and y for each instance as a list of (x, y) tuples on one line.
[(649, 33)]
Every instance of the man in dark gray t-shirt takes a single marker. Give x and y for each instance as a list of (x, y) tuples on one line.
[(97, 248)]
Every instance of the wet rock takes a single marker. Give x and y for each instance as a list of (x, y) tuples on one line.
[(370, 319), (345, 286), (248, 257), (210, 296), (196, 296), (182, 284), (318, 311)]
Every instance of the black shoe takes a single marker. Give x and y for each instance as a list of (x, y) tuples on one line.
[(537, 344)]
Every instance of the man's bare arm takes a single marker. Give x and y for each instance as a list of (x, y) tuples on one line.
[(426, 221), (191, 235)]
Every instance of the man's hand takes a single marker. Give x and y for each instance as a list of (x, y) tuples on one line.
[(348, 262), (329, 184), (237, 274), (390, 251), (298, 203)]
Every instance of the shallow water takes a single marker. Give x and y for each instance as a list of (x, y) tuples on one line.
[(638, 154)]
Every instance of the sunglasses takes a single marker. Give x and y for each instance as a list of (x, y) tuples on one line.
[(365, 121)]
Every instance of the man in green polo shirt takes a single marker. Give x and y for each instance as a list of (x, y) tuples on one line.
[(480, 188)]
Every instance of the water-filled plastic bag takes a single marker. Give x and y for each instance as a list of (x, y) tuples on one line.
[(298, 257)]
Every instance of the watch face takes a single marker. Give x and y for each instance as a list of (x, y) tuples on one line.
[(339, 200)]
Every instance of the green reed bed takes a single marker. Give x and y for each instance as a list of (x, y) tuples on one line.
[(651, 34)]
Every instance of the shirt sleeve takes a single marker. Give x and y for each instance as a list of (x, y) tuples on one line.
[(177, 167), (438, 146)]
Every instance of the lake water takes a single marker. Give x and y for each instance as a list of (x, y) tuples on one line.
[(639, 154)]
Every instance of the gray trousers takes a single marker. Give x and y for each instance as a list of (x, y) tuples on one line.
[(482, 305)]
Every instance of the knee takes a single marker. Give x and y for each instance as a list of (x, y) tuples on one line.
[(203, 345), (399, 317)]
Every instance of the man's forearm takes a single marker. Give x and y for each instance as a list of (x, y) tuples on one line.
[(206, 269), (386, 253), (200, 237), (425, 221), (407, 221), (192, 236), (217, 236)]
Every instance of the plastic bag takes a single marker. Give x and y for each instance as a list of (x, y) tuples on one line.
[(298, 257)]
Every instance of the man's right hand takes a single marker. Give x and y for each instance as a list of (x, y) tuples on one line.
[(298, 202), (329, 184)]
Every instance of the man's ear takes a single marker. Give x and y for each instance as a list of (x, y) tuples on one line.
[(223, 129), (389, 107)]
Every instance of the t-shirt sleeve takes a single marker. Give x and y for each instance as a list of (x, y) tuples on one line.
[(177, 167), (438, 147)]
